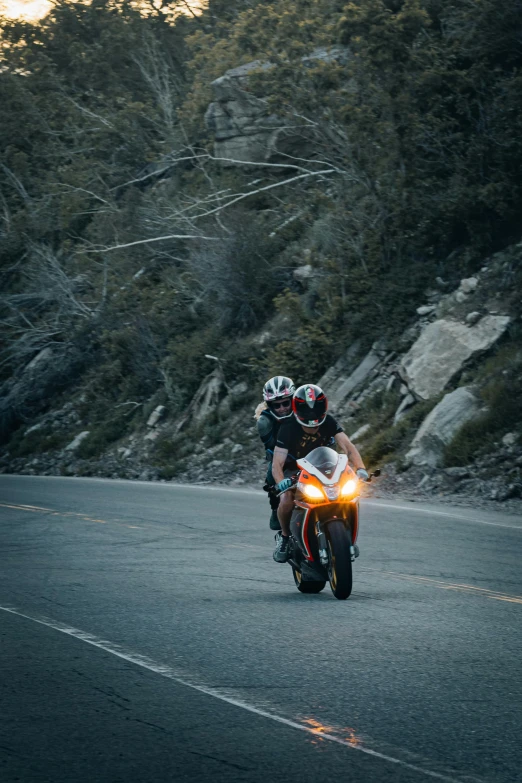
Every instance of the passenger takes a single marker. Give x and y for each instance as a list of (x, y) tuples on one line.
[(276, 406)]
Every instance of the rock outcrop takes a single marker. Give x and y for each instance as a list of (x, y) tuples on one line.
[(346, 380), (442, 350), (244, 128), (75, 443)]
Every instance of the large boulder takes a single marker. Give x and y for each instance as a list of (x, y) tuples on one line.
[(156, 415), (443, 348), (243, 127), (75, 443), (441, 425)]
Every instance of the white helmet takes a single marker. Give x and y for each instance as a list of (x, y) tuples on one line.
[(278, 393)]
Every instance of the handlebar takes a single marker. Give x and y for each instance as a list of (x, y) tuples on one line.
[(294, 479)]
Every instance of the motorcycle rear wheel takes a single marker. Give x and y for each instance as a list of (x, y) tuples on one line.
[(306, 586), (339, 560)]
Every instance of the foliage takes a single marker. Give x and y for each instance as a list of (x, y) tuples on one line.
[(501, 394), (39, 441), (409, 107), (385, 440), (101, 436)]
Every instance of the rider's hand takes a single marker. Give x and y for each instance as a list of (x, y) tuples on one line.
[(283, 485), (362, 474)]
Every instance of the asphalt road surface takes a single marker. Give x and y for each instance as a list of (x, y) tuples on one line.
[(146, 634)]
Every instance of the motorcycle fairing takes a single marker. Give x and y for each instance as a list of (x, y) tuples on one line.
[(325, 464), (304, 535), (299, 525)]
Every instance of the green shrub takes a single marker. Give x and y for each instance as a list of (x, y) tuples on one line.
[(167, 449), (174, 469), (481, 434), (38, 442), (391, 439), (101, 437)]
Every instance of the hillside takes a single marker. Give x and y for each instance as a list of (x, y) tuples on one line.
[(323, 189)]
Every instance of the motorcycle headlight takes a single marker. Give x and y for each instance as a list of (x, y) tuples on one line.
[(312, 492), (349, 488)]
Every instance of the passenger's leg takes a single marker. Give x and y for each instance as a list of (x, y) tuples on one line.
[(284, 512), (272, 499)]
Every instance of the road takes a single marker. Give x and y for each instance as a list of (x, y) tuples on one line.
[(147, 635)]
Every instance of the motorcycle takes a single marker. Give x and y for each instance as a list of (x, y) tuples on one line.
[(324, 522)]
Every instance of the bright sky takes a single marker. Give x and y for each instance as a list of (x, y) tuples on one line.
[(35, 9), (24, 9)]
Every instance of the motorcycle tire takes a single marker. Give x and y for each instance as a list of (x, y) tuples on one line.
[(306, 586), (339, 560)]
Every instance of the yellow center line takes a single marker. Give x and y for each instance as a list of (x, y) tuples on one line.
[(463, 588), (38, 509), (422, 580), (22, 508)]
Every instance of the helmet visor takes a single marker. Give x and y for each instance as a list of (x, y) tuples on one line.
[(311, 416)]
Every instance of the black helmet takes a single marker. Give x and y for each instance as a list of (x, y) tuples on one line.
[(310, 405), (277, 390)]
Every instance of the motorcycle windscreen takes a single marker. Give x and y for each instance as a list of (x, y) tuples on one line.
[(324, 459)]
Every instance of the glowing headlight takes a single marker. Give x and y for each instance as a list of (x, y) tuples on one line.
[(349, 488), (313, 493)]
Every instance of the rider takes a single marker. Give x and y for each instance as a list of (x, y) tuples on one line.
[(310, 427), (276, 406)]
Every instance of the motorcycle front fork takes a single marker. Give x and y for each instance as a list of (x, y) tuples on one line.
[(323, 546)]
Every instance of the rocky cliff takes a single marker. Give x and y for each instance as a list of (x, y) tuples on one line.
[(405, 403)]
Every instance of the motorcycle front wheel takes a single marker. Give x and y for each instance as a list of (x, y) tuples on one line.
[(306, 586), (339, 559)]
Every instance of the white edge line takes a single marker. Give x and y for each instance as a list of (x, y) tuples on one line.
[(154, 484), (448, 514), (171, 674)]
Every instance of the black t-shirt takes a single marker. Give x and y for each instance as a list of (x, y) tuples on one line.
[(299, 443)]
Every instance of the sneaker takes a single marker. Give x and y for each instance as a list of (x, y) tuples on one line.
[(281, 552), (274, 521), (356, 550)]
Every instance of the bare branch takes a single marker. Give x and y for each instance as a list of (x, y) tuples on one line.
[(157, 171), (207, 156), (74, 188), (265, 188), (148, 241), (17, 184), (86, 111)]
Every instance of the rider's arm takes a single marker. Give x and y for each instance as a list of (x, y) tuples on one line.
[(346, 445), (278, 463), (265, 429)]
